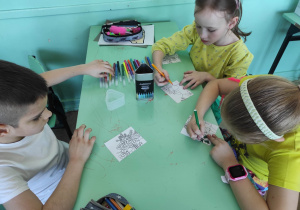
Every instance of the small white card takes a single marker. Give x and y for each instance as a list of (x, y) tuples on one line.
[(125, 143), (171, 59), (176, 91), (209, 129)]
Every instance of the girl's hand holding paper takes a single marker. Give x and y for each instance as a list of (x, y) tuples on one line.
[(194, 78)]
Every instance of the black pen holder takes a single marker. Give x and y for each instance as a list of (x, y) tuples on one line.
[(144, 82)]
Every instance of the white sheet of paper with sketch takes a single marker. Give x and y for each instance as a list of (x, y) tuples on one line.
[(171, 59), (209, 129), (125, 143), (176, 91)]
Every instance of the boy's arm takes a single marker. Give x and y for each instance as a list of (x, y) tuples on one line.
[(94, 68), (65, 194), (209, 94)]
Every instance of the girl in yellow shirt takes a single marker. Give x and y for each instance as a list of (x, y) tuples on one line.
[(217, 48), (263, 114)]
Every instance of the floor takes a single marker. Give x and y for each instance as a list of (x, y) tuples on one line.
[(61, 134)]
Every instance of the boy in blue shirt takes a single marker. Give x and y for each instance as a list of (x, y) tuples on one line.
[(37, 171)]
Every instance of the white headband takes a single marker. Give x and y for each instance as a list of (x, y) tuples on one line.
[(254, 114)]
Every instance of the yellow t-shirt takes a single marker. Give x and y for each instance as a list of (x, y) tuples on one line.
[(220, 61), (275, 162)]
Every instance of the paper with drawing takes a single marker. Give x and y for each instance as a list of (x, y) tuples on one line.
[(125, 143), (176, 92), (209, 129)]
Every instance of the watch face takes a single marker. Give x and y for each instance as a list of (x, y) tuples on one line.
[(237, 171)]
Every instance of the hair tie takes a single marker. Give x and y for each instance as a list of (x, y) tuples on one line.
[(254, 114), (237, 4)]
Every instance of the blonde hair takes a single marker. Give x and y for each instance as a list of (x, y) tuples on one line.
[(276, 99)]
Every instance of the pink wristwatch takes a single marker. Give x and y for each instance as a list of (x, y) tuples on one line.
[(235, 173)]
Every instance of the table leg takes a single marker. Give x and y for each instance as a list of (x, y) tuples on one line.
[(289, 37)]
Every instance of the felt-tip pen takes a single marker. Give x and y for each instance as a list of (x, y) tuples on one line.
[(110, 204)]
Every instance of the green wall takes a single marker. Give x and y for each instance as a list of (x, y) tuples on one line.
[(56, 31)]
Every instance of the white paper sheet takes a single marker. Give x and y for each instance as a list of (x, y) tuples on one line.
[(171, 59), (125, 143), (176, 91)]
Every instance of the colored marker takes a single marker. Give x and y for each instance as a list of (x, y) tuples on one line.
[(149, 61), (130, 73), (196, 116), (132, 64), (146, 61), (109, 79), (123, 75), (119, 69), (116, 74), (138, 63), (129, 63), (115, 204), (132, 70), (110, 204), (162, 74), (105, 80), (125, 69)]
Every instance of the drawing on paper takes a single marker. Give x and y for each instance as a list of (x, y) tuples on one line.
[(125, 143), (209, 129), (171, 59), (176, 92)]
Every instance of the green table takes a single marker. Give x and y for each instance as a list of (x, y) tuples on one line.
[(170, 171)]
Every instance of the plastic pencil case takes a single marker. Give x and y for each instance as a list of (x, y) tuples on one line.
[(123, 31), (107, 201)]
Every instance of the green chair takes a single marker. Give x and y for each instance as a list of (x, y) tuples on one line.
[(58, 118)]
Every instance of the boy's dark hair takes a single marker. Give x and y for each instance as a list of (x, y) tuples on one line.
[(232, 8), (19, 88)]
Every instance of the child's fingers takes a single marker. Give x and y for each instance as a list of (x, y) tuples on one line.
[(214, 139), (80, 130), (195, 85), (184, 80), (192, 134), (160, 80), (92, 140), (202, 128), (166, 74), (86, 135), (188, 84), (188, 72)]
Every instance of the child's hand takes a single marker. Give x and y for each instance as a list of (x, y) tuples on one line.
[(160, 80), (97, 67), (194, 78), (81, 144), (222, 152), (193, 130)]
